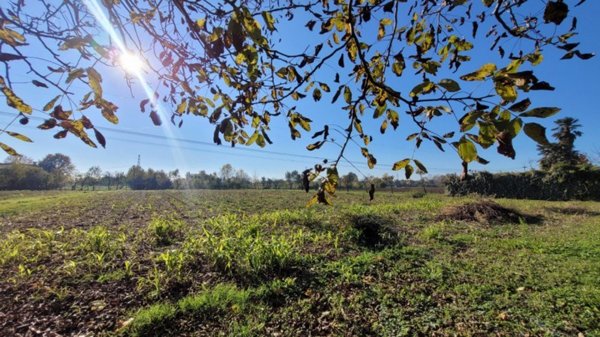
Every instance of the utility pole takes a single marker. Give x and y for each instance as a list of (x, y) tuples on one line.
[(139, 161)]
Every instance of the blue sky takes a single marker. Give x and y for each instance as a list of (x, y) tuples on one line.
[(577, 88)]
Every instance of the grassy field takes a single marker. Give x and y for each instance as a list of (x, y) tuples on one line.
[(258, 263)]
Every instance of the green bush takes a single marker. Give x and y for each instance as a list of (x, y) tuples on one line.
[(567, 184)]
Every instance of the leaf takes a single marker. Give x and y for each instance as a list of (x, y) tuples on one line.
[(317, 95), (110, 116), (449, 84), (39, 84), (420, 166), (555, 12), (408, 171), (312, 200), (61, 134), (11, 37), (389, 7), (542, 85), (252, 138), (59, 113), (50, 104), (19, 136), (13, 100), (371, 161), (143, 104), (536, 132), (100, 138), (347, 94), (422, 88), (467, 150), (269, 20), (485, 71), (541, 112), (5, 57), (74, 43), (314, 146), (95, 81), (48, 124), (77, 73), (514, 127), (520, 106), (155, 118), (399, 165), (8, 149), (506, 91), (505, 146)]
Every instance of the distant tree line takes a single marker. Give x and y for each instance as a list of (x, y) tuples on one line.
[(56, 171), (564, 173)]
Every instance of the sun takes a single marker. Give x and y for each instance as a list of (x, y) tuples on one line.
[(131, 63)]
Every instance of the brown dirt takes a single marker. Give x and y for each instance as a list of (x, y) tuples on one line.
[(485, 212)]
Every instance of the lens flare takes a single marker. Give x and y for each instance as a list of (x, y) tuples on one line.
[(131, 63)]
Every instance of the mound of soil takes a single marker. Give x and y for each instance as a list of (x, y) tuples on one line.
[(486, 212)]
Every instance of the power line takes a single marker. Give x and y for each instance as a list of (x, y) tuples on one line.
[(212, 145)]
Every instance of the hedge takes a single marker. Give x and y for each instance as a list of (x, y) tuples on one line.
[(582, 184)]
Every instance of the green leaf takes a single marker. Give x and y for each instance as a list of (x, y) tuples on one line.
[(514, 127), (536, 132), (541, 112), (399, 165), (506, 91), (485, 71), (423, 88), (449, 84), (467, 150)]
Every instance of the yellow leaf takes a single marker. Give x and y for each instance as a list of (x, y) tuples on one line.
[(95, 81), (485, 71), (8, 149), (19, 136), (50, 104), (13, 100)]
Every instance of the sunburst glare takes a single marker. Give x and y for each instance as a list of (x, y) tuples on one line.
[(131, 63)]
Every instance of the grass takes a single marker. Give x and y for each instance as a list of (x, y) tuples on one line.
[(256, 263)]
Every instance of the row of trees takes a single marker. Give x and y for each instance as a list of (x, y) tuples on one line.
[(56, 171)]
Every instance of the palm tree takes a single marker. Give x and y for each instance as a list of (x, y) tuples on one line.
[(562, 153)]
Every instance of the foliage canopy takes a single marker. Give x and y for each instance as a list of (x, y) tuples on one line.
[(225, 60)]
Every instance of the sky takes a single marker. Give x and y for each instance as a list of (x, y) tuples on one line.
[(190, 147)]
